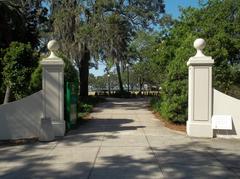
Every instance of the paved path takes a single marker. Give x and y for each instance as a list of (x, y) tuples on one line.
[(123, 141)]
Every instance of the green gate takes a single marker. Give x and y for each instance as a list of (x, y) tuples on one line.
[(71, 104)]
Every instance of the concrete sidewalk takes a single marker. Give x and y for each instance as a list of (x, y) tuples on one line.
[(123, 140)]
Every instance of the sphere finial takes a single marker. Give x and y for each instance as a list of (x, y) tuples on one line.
[(52, 47), (199, 45)]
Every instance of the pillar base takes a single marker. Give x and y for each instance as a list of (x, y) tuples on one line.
[(199, 129), (46, 131), (59, 128)]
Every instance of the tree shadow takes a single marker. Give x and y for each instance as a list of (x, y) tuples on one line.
[(92, 132), (43, 170), (189, 160), (117, 166), (127, 104), (198, 160), (126, 166)]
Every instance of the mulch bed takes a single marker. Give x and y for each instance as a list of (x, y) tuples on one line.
[(170, 125), (17, 142)]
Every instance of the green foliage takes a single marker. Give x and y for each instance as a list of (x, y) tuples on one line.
[(2, 87), (104, 28), (85, 108), (153, 55), (86, 104), (174, 88), (21, 21), (70, 74), (155, 103), (220, 29), (12, 23), (36, 79), (98, 82), (19, 62), (218, 23)]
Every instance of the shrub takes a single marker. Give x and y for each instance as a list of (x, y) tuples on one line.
[(85, 108), (174, 90), (2, 87), (156, 103), (19, 61), (36, 79), (70, 74)]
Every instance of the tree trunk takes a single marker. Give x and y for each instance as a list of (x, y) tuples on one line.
[(140, 85), (84, 72), (119, 77), (7, 95)]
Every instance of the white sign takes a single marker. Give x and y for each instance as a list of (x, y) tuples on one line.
[(222, 122)]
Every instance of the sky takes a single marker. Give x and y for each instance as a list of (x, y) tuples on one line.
[(171, 7)]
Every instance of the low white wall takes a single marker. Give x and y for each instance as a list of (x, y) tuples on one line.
[(227, 105), (21, 119)]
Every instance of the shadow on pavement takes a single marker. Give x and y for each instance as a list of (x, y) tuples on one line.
[(128, 104), (190, 160), (198, 160), (93, 130)]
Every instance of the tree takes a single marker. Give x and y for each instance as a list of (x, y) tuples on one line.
[(36, 17), (2, 87), (100, 29), (19, 62), (70, 74), (66, 26), (123, 19), (174, 89), (116, 46), (223, 40), (218, 23), (21, 21), (11, 23), (144, 49)]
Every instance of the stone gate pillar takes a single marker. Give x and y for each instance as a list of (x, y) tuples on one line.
[(200, 93), (53, 90)]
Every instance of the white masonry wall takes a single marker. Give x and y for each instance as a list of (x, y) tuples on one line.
[(227, 105), (21, 119)]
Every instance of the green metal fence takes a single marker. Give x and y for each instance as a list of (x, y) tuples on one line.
[(71, 104)]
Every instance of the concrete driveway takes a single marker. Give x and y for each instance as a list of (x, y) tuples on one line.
[(123, 140)]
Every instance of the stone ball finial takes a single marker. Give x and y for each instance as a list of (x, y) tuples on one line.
[(199, 45), (52, 46)]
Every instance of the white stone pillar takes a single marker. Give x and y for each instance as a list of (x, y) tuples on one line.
[(200, 93), (53, 90)]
